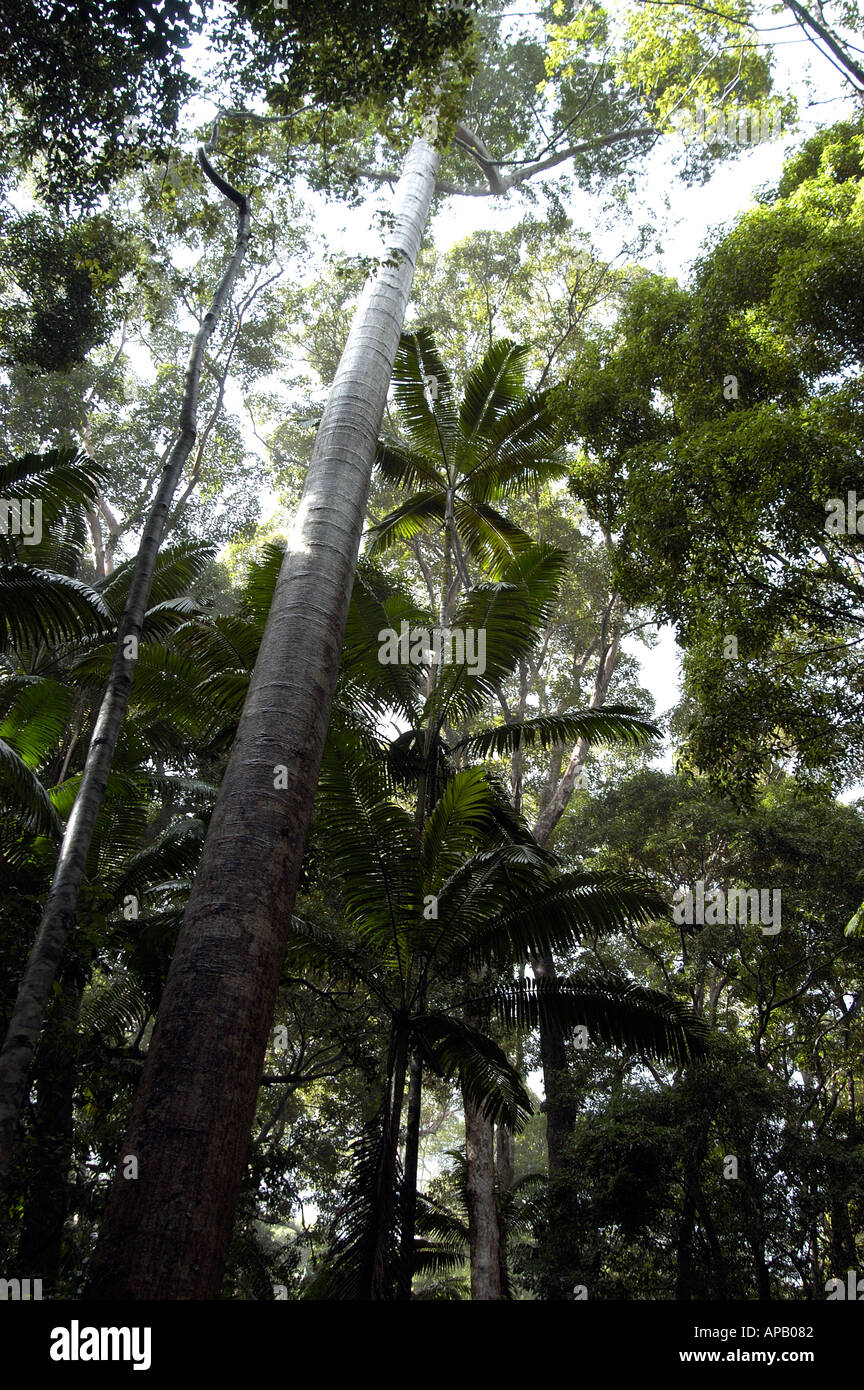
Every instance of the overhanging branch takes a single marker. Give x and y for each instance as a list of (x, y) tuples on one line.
[(498, 184)]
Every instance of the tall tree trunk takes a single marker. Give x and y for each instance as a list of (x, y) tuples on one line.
[(61, 909), (409, 1175), (166, 1235), (561, 1112), (504, 1155), (483, 1235), (46, 1199), (378, 1280)]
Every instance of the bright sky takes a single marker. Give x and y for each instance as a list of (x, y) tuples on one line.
[(683, 216)]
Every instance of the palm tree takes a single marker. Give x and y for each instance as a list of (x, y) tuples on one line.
[(496, 898), (463, 457), (443, 1244), (460, 459)]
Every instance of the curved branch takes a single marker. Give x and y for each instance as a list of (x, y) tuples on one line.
[(239, 199), (508, 181), (467, 140)]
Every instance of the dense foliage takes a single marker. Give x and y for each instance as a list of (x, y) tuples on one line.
[(570, 993)]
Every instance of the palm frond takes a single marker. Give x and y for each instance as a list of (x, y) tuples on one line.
[(339, 957), (405, 522), (428, 412), (466, 814), (405, 467), (556, 914), (518, 452), (437, 1222), (44, 606), (618, 1012), (23, 794), (491, 539), (510, 613), (363, 1259), (259, 584), (115, 1007), (177, 567), (63, 482), (454, 1048), (176, 851), (614, 724), (377, 605), (493, 387), (34, 716), (372, 846)]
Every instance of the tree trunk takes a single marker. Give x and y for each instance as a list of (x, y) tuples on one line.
[(483, 1234), (561, 1112), (696, 1141), (61, 909), (46, 1199), (379, 1278), (842, 1248), (504, 1146), (166, 1235), (409, 1176)]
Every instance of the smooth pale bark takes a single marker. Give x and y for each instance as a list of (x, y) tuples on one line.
[(34, 992), (484, 1238), (166, 1235)]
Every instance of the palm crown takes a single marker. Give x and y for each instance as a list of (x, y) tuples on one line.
[(461, 458)]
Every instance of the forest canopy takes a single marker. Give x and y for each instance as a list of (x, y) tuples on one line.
[(431, 847)]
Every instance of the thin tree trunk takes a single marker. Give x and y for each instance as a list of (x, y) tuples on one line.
[(46, 1199), (483, 1234), (167, 1235), (842, 1247), (61, 909), (560, 1111), (409, 1175), (379, 1278)]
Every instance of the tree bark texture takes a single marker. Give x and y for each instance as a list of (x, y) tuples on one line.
[(166, 1235), (483, 1234)]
